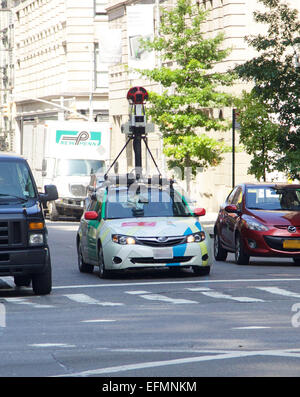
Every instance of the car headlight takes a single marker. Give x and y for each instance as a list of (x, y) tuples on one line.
[(195, 237), (253, 224), (123, 240), (36, 239)]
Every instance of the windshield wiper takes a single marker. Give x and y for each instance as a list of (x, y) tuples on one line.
[(12, 195)]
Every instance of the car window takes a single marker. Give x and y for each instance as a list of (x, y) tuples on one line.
[(15, 180), (230, 197), (272, 198), (237, 198), (150, 202)]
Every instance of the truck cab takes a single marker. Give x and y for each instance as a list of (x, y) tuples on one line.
[(24, 250)]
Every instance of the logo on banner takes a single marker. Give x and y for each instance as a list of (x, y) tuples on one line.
[(78, 138)]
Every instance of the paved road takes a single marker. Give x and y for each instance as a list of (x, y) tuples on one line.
[(239, 321)]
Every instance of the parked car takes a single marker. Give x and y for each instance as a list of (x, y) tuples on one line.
[(260, 220), (142, 226)]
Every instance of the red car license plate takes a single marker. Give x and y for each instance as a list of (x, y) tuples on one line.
[(291, 244)]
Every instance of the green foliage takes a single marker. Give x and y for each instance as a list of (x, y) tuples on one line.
[(259, 133), (277, 79), (190, 87)]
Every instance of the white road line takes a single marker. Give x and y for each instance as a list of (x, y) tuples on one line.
[(25, 301), (251, 327), (97, 321), (51, 345), (152, 364), (136, 292), (279, 291), (163, 298), (215, 294), (174, 283), (82, 298)]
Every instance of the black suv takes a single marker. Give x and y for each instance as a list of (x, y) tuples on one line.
[(24, 250)]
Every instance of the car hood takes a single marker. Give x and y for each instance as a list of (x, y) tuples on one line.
[(278, 217), (152, 226)]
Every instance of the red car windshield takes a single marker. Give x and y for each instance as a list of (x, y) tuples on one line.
[(271, 198)]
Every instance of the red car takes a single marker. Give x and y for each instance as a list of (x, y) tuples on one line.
[(259, 220)]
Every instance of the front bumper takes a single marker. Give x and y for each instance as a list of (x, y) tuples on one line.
[(23, 261), (120, 257), (70, 205), (271, 244)]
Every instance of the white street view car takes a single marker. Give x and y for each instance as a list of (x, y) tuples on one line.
[(138, 225)]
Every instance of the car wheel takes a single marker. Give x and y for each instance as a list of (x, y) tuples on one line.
[(297, 261), (42, 282), (22, 281), (82, 266), (103, 273), (241, 257), (201, 270), (219, 252)]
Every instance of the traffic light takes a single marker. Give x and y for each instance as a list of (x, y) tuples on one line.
[(6, 109)]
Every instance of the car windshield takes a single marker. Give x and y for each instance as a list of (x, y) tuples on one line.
[(273, 198), (75, 167), (145, 202), (15, 181)]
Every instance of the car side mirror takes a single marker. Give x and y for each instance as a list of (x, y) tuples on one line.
[(199, 211), (90, 215), (50, 194), (231, 209)]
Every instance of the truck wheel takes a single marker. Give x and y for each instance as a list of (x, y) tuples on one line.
[(42, 282), (53, 213), (22, 281)]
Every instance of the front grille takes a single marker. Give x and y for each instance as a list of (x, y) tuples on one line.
[(277, 243), (285, 227), (12, 234), (150, 260), (78, 190), (154, 241)]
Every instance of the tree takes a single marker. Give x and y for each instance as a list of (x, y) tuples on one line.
[(277, 79), (258, 133), (191, 88)]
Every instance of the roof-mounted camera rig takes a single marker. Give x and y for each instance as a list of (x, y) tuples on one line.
[(136, 129)]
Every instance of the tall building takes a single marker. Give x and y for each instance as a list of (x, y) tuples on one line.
[(58, 72)]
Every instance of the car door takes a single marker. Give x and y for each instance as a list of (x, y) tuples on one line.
[(233, 218), (229, 218), (92, 232)]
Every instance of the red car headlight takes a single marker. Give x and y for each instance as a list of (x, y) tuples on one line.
[(253, 224)]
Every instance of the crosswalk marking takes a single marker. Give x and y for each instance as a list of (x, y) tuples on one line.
[(221, 295), (83, 298), (24, 301), (279, 291), (163, 298)]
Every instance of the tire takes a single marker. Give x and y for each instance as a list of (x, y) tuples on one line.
[(201, 270), (53, 213), (82, 266), (103, 273), (42, 282), (22, 281), (220, 253), (241, 258)]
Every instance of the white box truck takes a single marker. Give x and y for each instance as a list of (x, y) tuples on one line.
[(65, 154)]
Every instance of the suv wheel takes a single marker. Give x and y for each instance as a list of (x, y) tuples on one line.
[(241, 257), (42, 282), (219, 252), (82, 266)]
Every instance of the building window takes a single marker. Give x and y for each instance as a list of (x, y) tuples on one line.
[(101, 69), (99, 6)]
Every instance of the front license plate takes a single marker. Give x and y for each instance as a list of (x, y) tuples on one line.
[(163, 253), (291, 244)]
